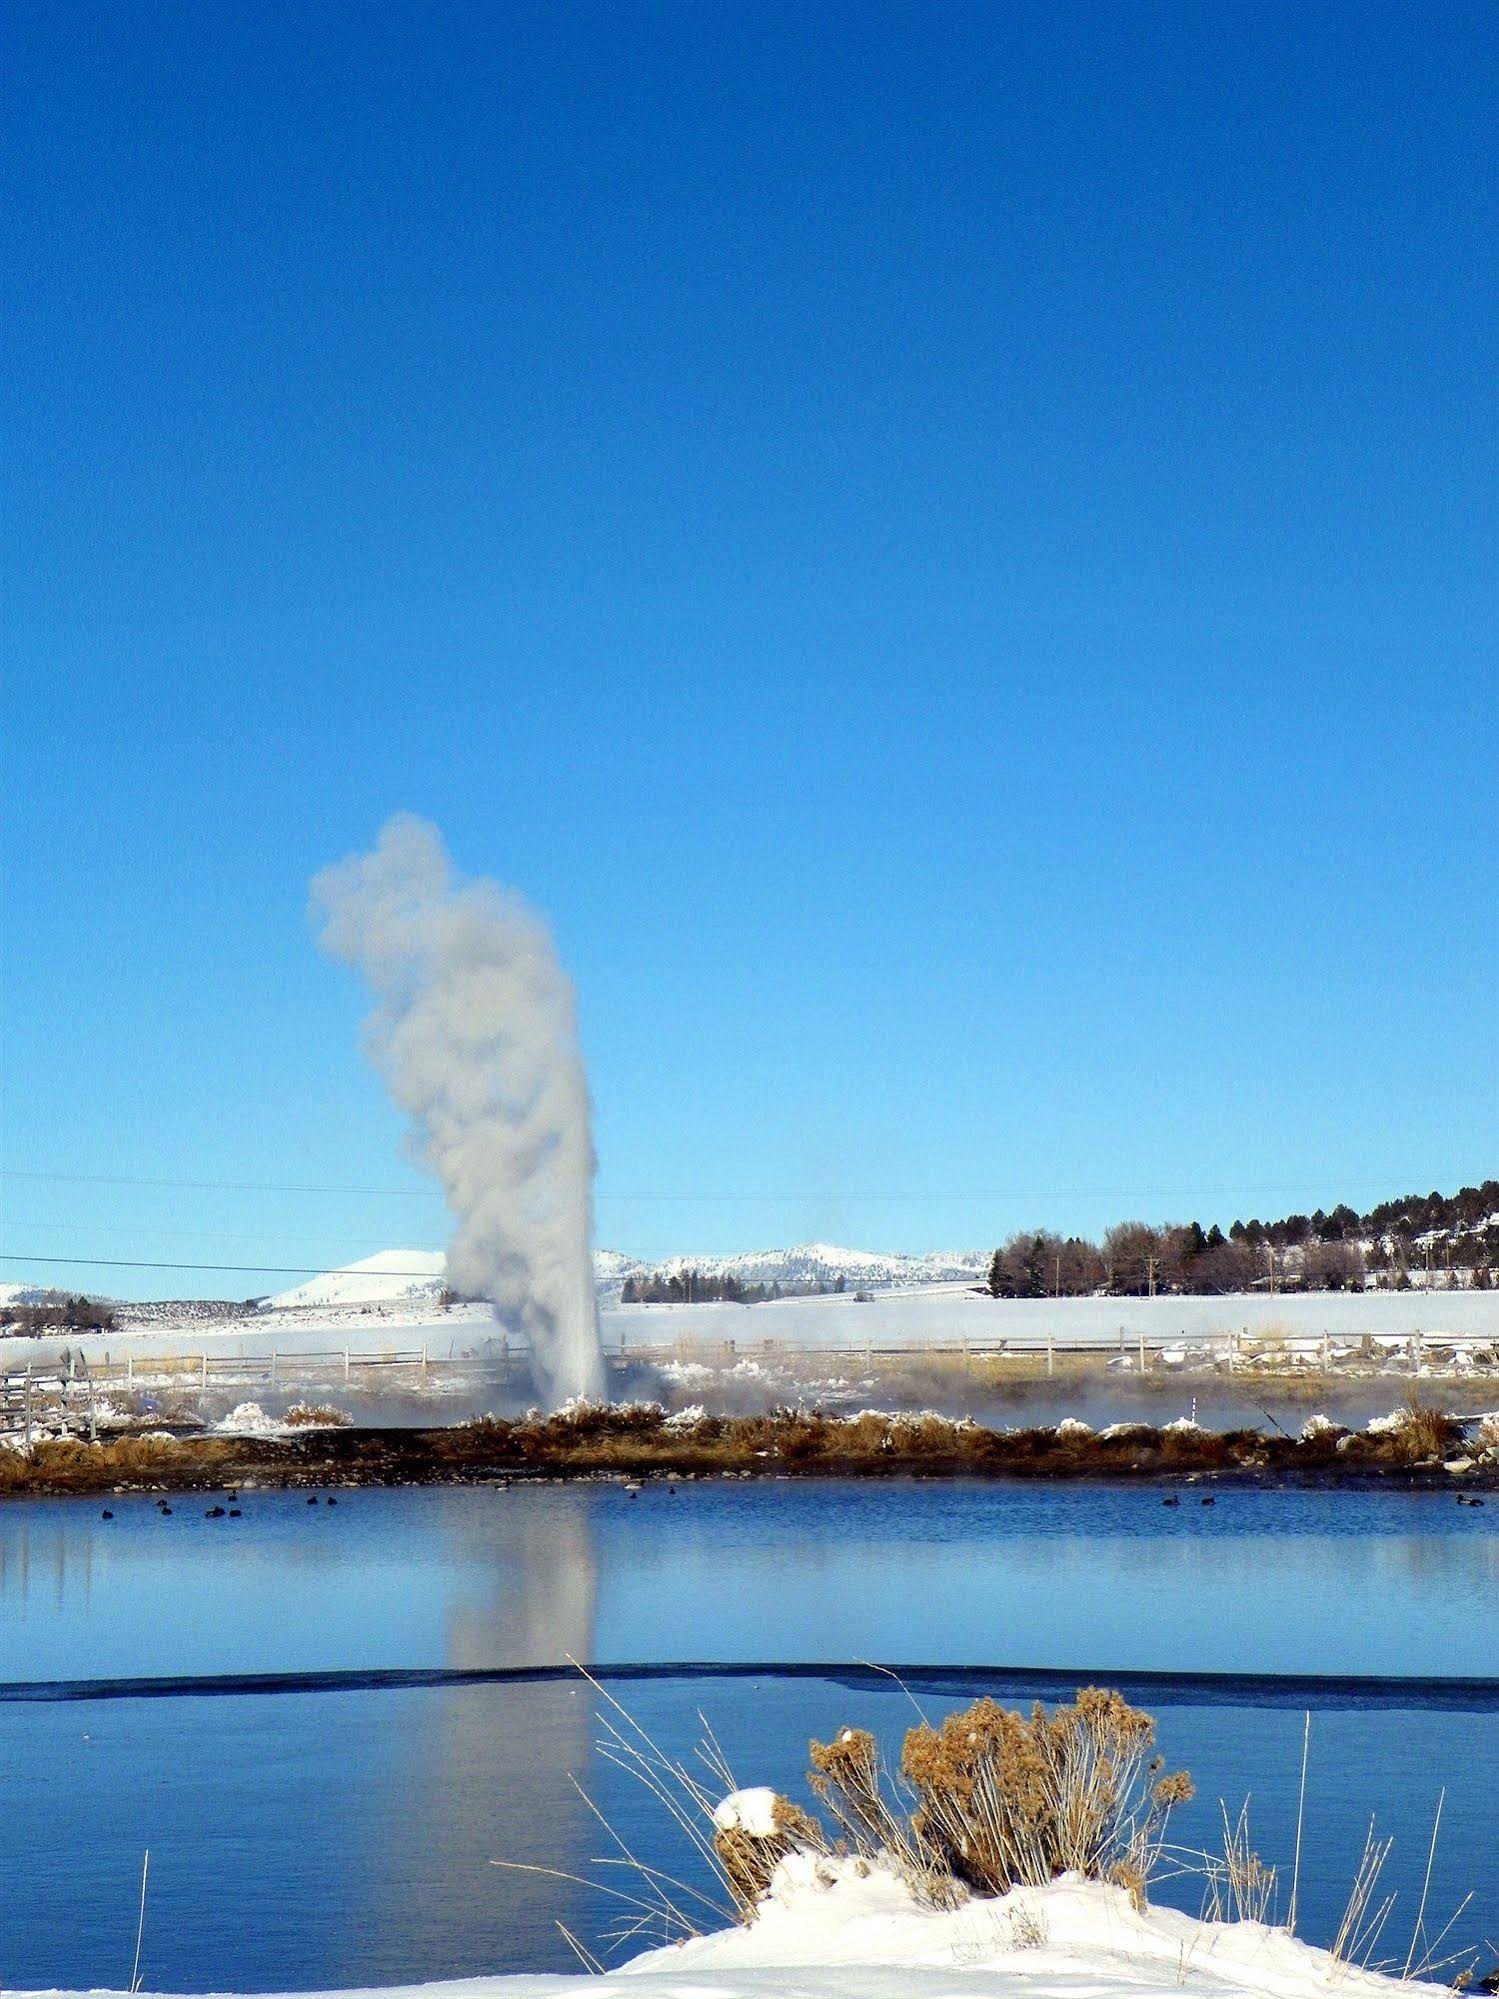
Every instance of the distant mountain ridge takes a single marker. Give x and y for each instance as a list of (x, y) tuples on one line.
[(399, 1275), (801, 1267)]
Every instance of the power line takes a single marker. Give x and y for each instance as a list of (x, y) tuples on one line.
[(133, 1231), (240, 1269), (217, 1186), (715, 1194)]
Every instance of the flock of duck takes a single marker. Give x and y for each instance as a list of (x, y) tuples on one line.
[(231, 1512), (632, 1491)]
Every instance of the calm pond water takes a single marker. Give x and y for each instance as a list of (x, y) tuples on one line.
[(326, 1838), (1099, 1577)]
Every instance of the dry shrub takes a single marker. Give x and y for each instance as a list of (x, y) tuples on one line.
[(1005, 1801), (1418, 1431), (749, 1859), (318, 1415), (845, 1778), (1002, 1801)]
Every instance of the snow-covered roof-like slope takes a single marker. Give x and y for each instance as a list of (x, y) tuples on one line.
[(862, 1937), (377, 1280)]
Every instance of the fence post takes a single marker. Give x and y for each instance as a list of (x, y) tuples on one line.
[(28, 1408), (275, 1358), (424, 1363), (130, 1370), (203, 1372), (346, 1367), (1050, 1359), (1142, 1353)]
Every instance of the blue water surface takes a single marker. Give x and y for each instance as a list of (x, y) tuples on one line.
[(345, 1837)]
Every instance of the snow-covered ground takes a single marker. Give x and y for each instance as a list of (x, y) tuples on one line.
[(1177, 1331), (828, 1932), (952, 1314)]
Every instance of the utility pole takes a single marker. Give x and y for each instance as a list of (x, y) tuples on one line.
[(1150, 1270)]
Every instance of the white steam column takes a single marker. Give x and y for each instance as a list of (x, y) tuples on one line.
[(476, 1038)]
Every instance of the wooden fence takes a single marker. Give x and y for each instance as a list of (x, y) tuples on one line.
[(68, 1393)]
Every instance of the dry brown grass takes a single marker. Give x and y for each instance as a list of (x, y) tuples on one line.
[(639, 1441), (69, 1462)]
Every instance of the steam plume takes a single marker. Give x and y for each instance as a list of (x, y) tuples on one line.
[(475, 1036)]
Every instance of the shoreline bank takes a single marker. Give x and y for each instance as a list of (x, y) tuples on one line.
[(1417, 1449)]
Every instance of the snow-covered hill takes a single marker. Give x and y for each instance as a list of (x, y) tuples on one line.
[(388, 1277)]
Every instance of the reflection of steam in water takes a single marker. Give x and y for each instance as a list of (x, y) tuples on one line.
[(539, 1544), (46, 1558), (484, 1773)]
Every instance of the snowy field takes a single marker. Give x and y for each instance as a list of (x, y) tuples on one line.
[(950, 1316), (825, 1932)]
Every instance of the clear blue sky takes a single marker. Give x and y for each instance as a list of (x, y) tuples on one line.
[(950, 549)]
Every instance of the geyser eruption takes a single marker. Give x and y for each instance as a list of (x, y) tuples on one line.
[(475, 1036)]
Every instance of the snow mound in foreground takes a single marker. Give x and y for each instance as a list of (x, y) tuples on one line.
[(840, 1929)]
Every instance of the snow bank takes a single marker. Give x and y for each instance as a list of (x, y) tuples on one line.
[(752, 1811), (843, 1929), (248, 1419)]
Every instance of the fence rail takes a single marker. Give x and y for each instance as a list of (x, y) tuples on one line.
[(69, 1389)]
